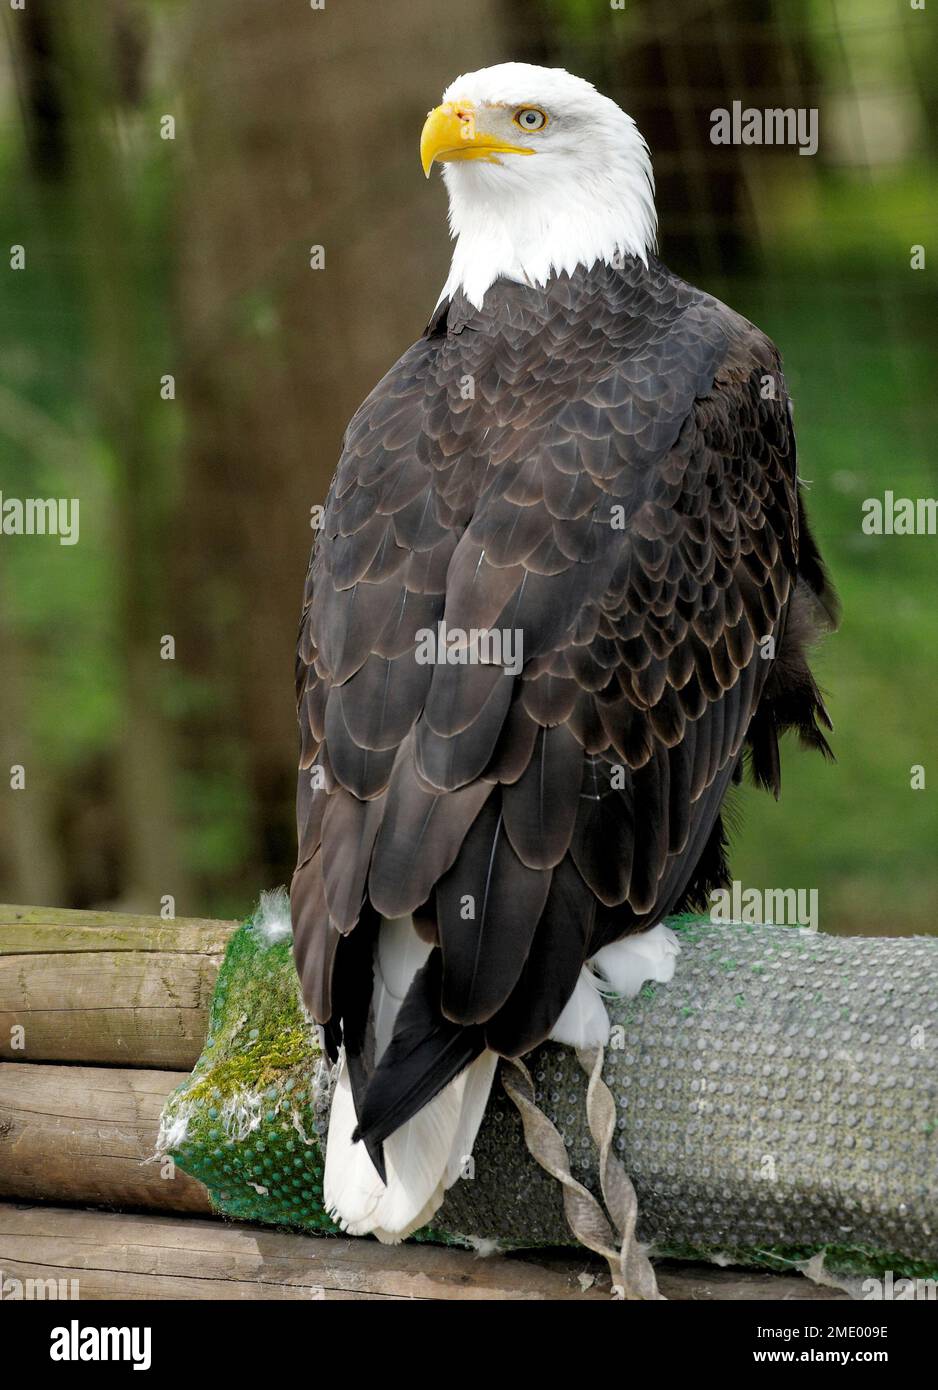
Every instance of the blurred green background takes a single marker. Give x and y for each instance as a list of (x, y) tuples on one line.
[(190, 257)]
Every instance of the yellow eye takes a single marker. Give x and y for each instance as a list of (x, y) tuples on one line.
[(530, 118)]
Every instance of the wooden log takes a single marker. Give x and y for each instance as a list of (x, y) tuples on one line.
[(161, 1257), (83, 1134), (106, 987)]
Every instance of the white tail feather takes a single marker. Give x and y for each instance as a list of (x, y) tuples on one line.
[(399, 955), (426, 1155), (351, 1187), (479, 1077)]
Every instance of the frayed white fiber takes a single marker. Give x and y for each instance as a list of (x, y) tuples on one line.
[(272, 918), (484, 1246), (173, 1130), (241, 1113)]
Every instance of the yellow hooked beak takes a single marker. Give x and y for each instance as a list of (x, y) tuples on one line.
[(450, 132)]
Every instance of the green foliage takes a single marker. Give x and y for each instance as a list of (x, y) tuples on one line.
[(859, 359)]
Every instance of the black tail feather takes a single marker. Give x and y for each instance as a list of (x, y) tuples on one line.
[(426, 1052), (353, 1006)]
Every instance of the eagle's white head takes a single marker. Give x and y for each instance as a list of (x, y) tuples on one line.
[(544, 174)]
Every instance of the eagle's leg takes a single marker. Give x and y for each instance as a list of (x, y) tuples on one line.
[(620, 969)]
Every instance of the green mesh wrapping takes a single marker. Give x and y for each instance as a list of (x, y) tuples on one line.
[(776, 1101), (249, 1113)]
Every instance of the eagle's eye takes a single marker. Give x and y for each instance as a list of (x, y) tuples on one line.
[(530, 118)]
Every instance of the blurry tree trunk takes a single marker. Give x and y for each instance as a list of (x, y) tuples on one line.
[(33, 866), (125, 371), (40, 91), (293, 131)]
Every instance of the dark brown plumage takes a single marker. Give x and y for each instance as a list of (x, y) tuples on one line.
[(606, 465)]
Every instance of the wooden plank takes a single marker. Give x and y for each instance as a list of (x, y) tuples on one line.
[(123, 1256), (707, 1283), (113, 1255), (134, 1008), (83, 1134), (106, 987), (29, 929)]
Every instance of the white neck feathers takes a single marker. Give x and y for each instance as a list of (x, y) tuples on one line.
[(550, 214)]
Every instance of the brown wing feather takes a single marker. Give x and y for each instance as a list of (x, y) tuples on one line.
[(619, 491)]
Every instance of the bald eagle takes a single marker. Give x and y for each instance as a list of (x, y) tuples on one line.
[(564, 585)]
